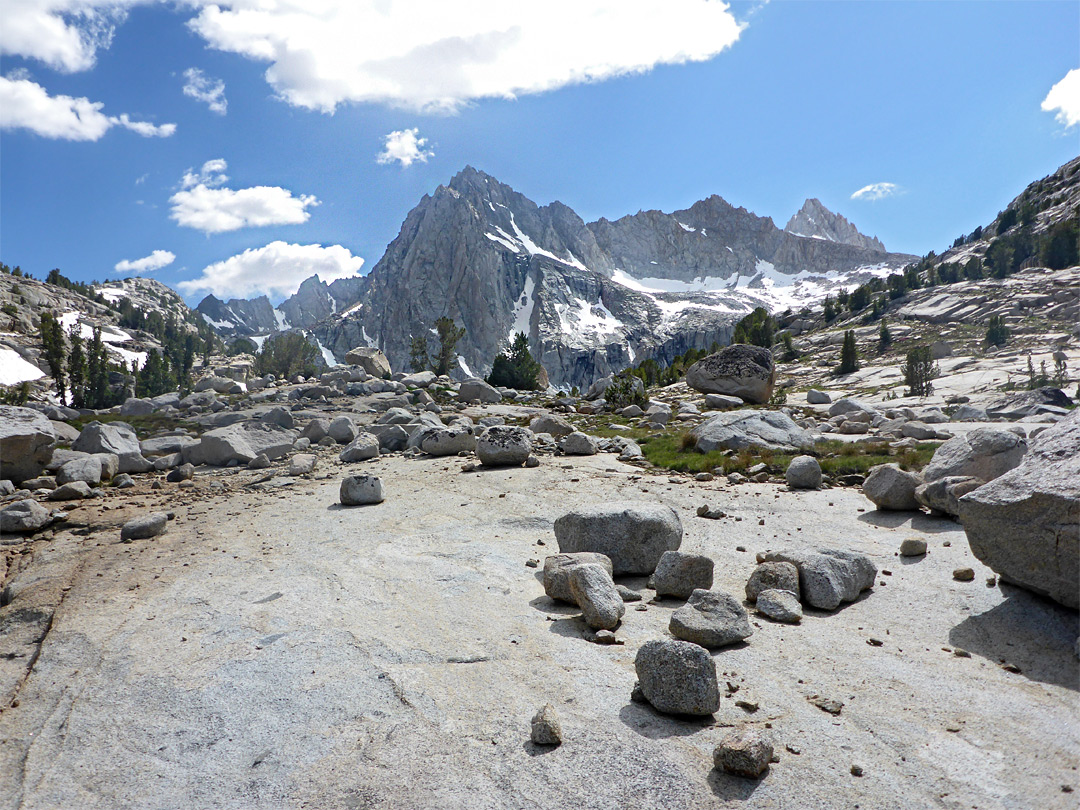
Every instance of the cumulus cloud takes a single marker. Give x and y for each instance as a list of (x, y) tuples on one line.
[(275, 270), (876, 191), (24, 104), (202, 204), (199, 86), (333, 51), (147, 264), (406, 147), (1064, 99), (63, 34)]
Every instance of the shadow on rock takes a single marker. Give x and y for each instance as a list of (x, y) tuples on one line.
[(728, 787), (648, 722), (545, 604), (918, 521), (1028, 631)]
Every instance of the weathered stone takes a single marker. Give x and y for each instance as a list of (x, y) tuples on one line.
[(594, 592), (136, 407), (24, 516), (557, 572), (745, 752), (391, 437), (780, 606), (633, 535), (722, 402), (551, 423), (87, 469), (26, 442), (829, 577), (943, 495), (578, 444), (889, 487), (1025, 524), (185, 472), (985, 453), (342, 430), (363, 447), (804, 472), (677, 677), (447, 441), (302, 464), (144, 526), (919, 431), (816, 397), (316, 429), (737, 370), (282, 417), (546, 728), (357, 490), (472, 390), (736, 430), (679, 574), (782, 576), (419, 379), (711, 619), (72, 491), (373, 361), (241, 443), (913, 547), (504, 446)]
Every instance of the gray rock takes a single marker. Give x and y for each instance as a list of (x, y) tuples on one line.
[(136, 407), (357, 490), (984, 453), (711, 619), (918, 430), (969, 413), (260, 462), (24, 516), (241, 443), (505, 446), (854, 427), (816, 397), (26, 442), (471, 390), (578, 444), (736, 430), (679, 574), (72, 491), (316, 429), (599, 388), (913, 547), (804, 472), (847, 406), (363, 447), (557, 572), (163, 445), (745, 752), (342, 430), (373, 361), (782, 576), (185, 472), (594, 592), (420, 379), (123, 481), (302, 444), (282, 417), (631, 412), (144, 526), (546, 729), (391, 437), (551, 423), (780, 606), (447, 441), (6, 488), (87, 469), (633, 535), (737, 370), (889, 487), (943, 495), (828, 577), (302, 464), (115, 438), (41, 482), (722, 402), (1025, 524), (677, 677)]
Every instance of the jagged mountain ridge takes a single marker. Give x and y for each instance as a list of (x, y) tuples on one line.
[(818, 222), (593, 298)]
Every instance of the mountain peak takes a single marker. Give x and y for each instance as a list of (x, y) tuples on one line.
[(816, 221)]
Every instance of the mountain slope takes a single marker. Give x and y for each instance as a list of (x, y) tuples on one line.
[(818, 222)]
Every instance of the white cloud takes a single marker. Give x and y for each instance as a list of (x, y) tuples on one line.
[(404, 146), (147, 264), (199, 86), (876, 191), (64, 34), (1064, 97), (275, 270), (24, 104), (324, 53), (200, 204)]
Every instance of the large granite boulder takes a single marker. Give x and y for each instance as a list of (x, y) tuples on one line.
[(24, 516), (1029, 403), (712, 619), (116, 438), (677, 677), (241, 442), (737, 370), (891, 488), (478, 390), (633, 535), (373, 361), (1025, 524), (736, 430), (984, 453), (26, 443), (504, 446), (828, 577)]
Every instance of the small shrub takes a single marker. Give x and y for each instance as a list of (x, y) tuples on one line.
[(919, 369)]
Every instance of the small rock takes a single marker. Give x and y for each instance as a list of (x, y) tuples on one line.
[(24, 516), (826, 704), (743, 753), (123, 481), (260, 462), (804, 472), (72, 491), (557, 572), (679, 574), (781, 576), (711, 619), (144, 527), (781, 606), (546, 728), (963, 574), (185, 472), (357, 490), (594, 592), (856, 770), (677, 677), (627, 594), (302, 464), (913, 547)]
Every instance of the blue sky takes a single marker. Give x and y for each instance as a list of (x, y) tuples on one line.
[(956, 105)]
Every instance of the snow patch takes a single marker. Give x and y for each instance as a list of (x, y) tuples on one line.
[(14, 369), (465, 366), (282, 321), (686, 227), (327, 355), (584, 321), (523, 309)]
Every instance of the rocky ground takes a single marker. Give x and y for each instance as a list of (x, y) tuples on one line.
[(273, 648)]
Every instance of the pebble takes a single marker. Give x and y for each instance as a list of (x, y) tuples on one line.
[(744, 753), (856, 770), (963, 574), (913, 547), (546, 728)]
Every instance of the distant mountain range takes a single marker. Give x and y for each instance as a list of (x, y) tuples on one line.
[(592, 297)]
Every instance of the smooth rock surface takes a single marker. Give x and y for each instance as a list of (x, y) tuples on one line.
[(736, 430)]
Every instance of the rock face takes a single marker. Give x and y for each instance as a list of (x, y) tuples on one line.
[(984, 453), (891, 488), (736, 430), (633, 535), (24, 516), (677, 677), (679, 574), (818, 222), (26, 442), (829, 577), (1025, 524), (711, 619), (594, 592), (504, 446), (557, 572), (738, 370), (373, 361)]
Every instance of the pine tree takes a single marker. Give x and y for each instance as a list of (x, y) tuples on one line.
[(77, 373), (884, 337), (418, 353), (830, 309), (758, 329), (449, 335), (516, 368), (997, 333), (918, 370), (849, 355), (52, 340)]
